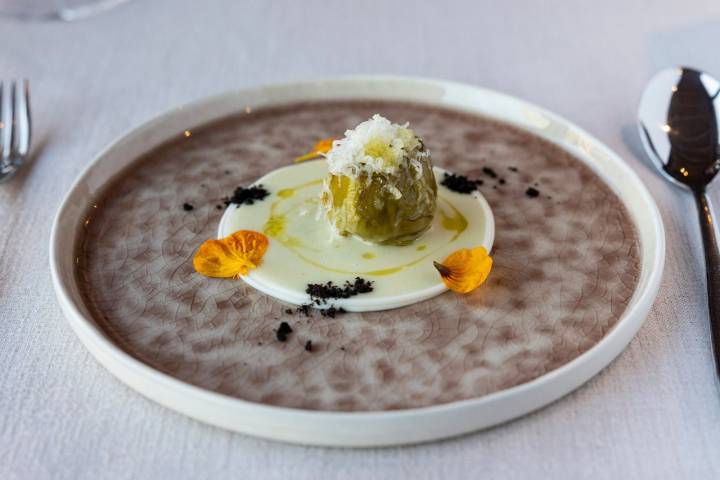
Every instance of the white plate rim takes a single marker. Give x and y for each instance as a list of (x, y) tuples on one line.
[(375, 428)]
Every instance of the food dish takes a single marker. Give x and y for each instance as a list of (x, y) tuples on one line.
[(199, 359)]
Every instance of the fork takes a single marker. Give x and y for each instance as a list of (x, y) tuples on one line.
[(15, 127)]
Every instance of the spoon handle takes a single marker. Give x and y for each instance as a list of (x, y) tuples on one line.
[(712, 267)]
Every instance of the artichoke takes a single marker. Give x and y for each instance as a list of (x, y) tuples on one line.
[(381, 187)]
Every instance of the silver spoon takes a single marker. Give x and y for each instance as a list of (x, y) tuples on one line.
[(679, 129)]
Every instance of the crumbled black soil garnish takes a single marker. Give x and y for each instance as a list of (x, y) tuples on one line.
[(227, 172), (502, 181), (283, 331), (489, 172), (187, 207), (288, 311), (247, 196), (513, 169), (305, 309), (460, 183), (320, 292), (219, 207), (308, 346), (332, 311), (342, 348), (532, 192)]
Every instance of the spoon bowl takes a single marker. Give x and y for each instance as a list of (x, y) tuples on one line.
[(678, 125)]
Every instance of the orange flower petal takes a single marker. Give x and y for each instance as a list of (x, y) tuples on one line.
[(466, 269), (323, 146), (232, 256)]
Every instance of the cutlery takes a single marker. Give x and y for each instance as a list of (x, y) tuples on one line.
[(679, 129), (15, 127)]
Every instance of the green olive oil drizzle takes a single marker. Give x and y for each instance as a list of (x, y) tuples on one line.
[(276, 223)]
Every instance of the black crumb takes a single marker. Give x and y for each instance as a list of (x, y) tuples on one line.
[(288, 311), (219, 207), (260, 343), (202, 185), (513, 169), (489, 172), (227, 172), (494, 187), (549, 197), (320, 292), (283, 331), (532, 192), (247, 196), (305, 309), (502, 181), (332, 311), (308, 346), (460, 183), (187, 207), (342, 348)]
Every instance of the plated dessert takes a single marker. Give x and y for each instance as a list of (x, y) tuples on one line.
[(370, 211)]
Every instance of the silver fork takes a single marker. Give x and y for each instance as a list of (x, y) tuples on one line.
[(15, 127)]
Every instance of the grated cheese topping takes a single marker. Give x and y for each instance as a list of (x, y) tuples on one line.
[(376, 146)]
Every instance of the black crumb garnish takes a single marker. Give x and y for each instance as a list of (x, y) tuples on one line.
[(219, 207), (283, 331), (305, 309), (187, 207), (532, 192), (342, 348), (332, 311), (321, 292), (247, 196), (502, 181), (308, 346), (489, 172), (288, 311), (513, 169), (260, 343), (460, 183), (227, 172)]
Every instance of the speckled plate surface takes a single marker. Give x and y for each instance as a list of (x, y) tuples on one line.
[(578, 253)]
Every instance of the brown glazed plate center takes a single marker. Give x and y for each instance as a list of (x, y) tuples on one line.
[(566, 264)]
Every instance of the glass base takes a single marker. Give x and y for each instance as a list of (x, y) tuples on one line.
[(66, 10)]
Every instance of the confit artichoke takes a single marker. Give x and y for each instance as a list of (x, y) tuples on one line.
[(381, 187)]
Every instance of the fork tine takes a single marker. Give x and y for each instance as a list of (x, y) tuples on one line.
[(23, 126), (13, 120), (3, 128)]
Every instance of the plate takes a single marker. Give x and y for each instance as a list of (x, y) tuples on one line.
[(305, 245), (579, 252)]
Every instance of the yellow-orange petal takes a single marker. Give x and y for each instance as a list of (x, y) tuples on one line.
[(232, 256), (322, 146), (466, 269)]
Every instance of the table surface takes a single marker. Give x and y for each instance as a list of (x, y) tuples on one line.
[(653, 413)]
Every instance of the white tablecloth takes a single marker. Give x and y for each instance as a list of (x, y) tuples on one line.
[(653, 413)]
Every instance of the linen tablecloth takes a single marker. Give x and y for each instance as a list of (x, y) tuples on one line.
[(653, 413)]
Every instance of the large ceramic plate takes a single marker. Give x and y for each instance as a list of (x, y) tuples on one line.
[(578, 263)]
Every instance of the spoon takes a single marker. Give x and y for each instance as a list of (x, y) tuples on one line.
[(679, 129)]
